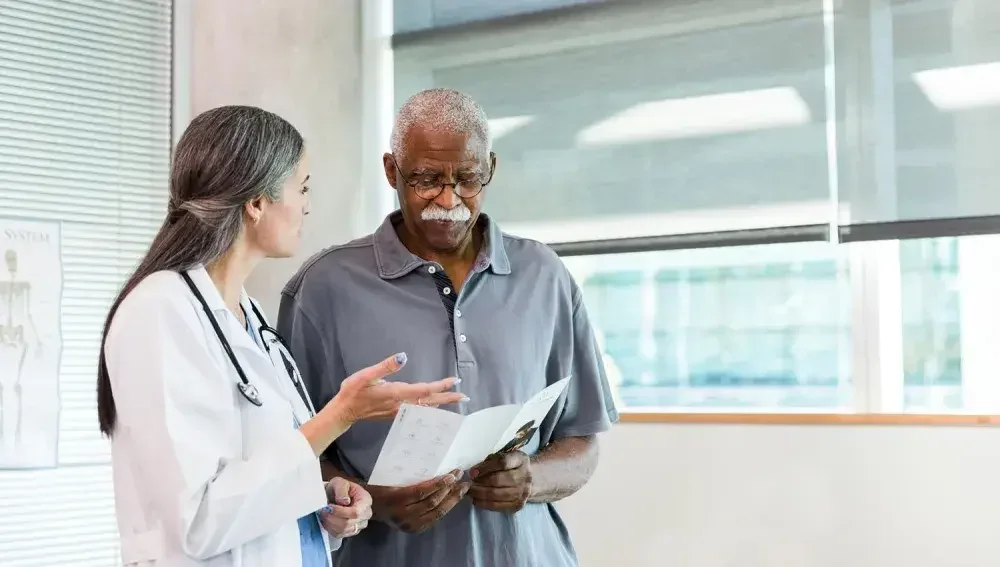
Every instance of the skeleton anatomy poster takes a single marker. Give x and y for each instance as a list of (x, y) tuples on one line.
[(30, 342)]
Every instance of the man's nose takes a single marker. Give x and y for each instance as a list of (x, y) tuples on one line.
[(448, 199)]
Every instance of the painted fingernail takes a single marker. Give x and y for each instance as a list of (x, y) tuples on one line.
[(401, 358), (456, 382), (449, 480), (328, 509), (464, 398)]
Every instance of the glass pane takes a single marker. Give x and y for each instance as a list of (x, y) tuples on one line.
[(659, 133), (946, 96), (758, 328), (951, 312), (417, 15)]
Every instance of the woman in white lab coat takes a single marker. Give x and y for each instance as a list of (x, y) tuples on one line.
[(214, 443)]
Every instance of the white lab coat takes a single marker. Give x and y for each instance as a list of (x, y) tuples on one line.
[(203, 477)]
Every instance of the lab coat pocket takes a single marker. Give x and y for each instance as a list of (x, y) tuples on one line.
[(263, 422)]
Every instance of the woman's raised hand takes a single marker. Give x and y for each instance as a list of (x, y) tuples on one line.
[(366, 394)]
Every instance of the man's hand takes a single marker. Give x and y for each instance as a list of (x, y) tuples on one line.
[(502, 482), (415, 508), (349, 510)]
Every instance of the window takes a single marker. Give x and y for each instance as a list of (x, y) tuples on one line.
[(638, 128), (931, 324), (85, 113), (770, 206), (724, 329), (949, 323), (419, 15)]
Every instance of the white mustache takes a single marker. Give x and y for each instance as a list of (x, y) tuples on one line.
[(432, 212)]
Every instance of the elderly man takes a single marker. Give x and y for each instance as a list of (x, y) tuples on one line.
[(440, 281)]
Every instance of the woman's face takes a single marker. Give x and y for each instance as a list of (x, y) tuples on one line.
[(278, 233)]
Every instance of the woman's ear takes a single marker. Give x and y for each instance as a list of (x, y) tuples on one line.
[(254, 210)]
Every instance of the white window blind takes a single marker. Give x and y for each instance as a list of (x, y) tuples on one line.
[(85, 107)]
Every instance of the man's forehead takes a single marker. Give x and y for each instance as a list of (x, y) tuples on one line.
[(426, 144), (438, 160)]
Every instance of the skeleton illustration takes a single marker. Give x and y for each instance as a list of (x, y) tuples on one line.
[(16, 336)]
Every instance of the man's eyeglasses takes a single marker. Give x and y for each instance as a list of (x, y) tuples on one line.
[(428, 187)]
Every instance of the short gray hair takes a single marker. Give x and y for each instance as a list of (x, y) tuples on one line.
[(441, 109)]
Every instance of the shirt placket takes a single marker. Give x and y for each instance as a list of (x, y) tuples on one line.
[(452, 301)]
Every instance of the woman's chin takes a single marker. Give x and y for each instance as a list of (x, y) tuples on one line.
[(286, 251)]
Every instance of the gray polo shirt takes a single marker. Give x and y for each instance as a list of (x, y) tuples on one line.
[(517, 325)]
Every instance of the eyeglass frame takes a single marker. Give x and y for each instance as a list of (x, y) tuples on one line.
[(440, 187)]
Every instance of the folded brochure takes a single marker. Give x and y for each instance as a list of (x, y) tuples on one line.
[(426, 442)]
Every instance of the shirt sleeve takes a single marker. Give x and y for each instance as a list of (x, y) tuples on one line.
[(590, 406), (179, 430), (313, 350)]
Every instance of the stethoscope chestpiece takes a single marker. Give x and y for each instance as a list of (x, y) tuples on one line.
[(250, 392)]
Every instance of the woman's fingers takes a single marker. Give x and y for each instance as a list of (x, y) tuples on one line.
[(376, 373), (367, 395), (338, 491), (442, 385), (341, 524), (444, 399), (428, 394), (359, 496)]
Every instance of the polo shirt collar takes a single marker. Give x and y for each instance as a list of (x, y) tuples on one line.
[(394, 260)]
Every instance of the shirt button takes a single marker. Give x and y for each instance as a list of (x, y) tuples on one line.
[(462, 338), (446, 291), (431, 270), (458, 313)]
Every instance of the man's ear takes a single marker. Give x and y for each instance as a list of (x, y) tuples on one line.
[(389, 165)]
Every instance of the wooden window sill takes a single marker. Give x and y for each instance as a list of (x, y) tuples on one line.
[(948, 420)]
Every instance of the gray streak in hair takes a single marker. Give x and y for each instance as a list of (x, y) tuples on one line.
[(228, 157), (440, 109)]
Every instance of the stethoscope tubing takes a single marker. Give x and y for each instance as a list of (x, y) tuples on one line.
[(246, 388)]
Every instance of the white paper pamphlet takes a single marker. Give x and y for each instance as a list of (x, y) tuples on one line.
[(426, 442)]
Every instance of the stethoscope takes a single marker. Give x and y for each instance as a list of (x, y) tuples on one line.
[(248, 390)]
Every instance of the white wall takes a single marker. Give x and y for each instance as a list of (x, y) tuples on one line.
[(301, 60), (790, 496)]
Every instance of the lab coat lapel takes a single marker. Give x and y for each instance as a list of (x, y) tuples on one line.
[(281, 373), (260, 367), (244, 347)]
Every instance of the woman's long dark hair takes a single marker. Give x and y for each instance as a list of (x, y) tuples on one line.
[(227, 157)]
